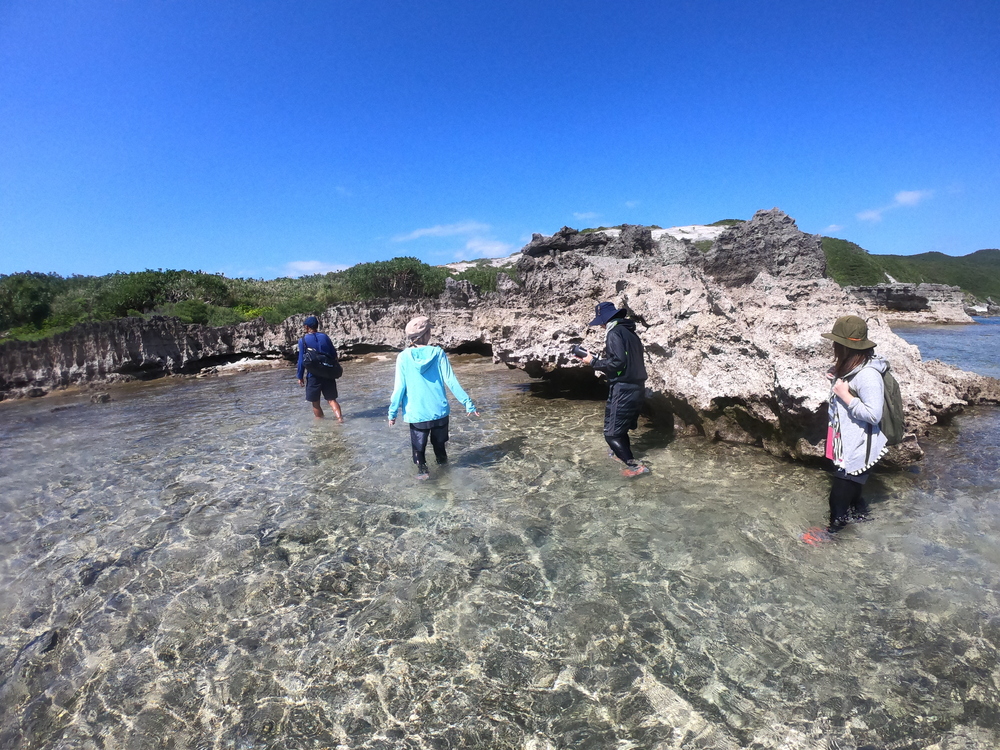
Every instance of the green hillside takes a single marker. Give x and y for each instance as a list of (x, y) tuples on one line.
[(977, 273)]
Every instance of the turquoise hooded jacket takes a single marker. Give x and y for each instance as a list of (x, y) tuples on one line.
[(422, 372)]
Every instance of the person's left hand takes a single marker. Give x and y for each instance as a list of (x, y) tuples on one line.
[(843, 390), (588, 359), (301, 381)]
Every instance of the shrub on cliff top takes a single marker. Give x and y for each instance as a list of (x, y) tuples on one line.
[(484, 275), (399, 277)]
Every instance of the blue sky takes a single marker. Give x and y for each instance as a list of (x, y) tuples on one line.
[(264, 138)]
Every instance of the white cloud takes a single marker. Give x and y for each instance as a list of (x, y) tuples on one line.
[(585, 215), (484, 248), (444, 230), (309, 267), (632, 204), (833, 228), (902, 198), (871, 215), (911, 197)]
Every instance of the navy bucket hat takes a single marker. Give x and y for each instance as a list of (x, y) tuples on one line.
[(605, 311)]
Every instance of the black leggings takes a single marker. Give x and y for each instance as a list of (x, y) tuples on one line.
[(621, 446), (845, 501), (438, 437)]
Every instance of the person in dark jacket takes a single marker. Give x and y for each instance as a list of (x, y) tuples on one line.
[(625, 369), (318, 387)]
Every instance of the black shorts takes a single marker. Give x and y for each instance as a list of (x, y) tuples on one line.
[(316, 387), (621, 413)]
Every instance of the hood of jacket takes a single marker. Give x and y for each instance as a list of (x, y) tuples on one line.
[(424, 357), (623, 322), (879, 364)]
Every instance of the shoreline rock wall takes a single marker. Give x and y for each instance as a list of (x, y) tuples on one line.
[(737, 360), (914, 303)]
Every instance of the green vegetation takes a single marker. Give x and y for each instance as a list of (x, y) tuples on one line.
[(977, 273), (37, 305), (484, 275)]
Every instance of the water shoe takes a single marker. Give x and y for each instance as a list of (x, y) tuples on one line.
[(423, 472), (816, 536), (635, 470)]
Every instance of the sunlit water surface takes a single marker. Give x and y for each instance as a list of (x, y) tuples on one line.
[(200, 564)]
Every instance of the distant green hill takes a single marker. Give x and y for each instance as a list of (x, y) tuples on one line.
[(977, 273)]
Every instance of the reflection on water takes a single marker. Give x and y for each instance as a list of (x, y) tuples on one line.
[(200, 564)]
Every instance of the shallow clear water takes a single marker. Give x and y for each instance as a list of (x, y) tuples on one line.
[(200, 564), (971, 347)]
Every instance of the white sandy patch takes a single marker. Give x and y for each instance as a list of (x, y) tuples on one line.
[(693, 232), (498, 262)]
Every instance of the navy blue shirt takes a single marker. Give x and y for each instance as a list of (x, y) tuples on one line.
[(320, 342)]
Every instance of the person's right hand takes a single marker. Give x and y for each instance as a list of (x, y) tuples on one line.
[(301, 381), (392, 422)]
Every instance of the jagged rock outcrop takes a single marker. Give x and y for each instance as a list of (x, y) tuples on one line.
[(769, 242), (131, 348), (986, 308), (134, 348), (742, 362), (913, 303), (627, 241)]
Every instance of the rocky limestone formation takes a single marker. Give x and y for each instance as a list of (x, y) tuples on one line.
[(136, 349), (913, 303), (987, 308), (132, 348), (626, 241), (769, 242), (741, 362)]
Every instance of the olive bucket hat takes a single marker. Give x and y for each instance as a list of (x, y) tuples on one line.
[(851, 331)]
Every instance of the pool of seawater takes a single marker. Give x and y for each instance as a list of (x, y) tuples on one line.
[(200, 564)]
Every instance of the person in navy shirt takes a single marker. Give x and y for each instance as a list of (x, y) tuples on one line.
[(318, 387)]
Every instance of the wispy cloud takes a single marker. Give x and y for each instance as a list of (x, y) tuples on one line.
[(309, 267), (444, 230), (585, 215), (832, 228), (479, 247), (904, 198), (632, 204)]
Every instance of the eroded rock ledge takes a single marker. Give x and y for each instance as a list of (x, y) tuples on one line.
[(731, 355)]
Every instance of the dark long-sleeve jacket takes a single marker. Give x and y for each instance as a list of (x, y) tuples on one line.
[(316, 340), (623, 360)]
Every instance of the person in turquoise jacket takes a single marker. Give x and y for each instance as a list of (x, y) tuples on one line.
[(422, 372)]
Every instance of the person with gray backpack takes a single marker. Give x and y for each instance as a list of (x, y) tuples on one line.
[(865, 414), (319, 368)]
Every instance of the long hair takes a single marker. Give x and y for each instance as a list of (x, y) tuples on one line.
[(422, 340), (846, 359)]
